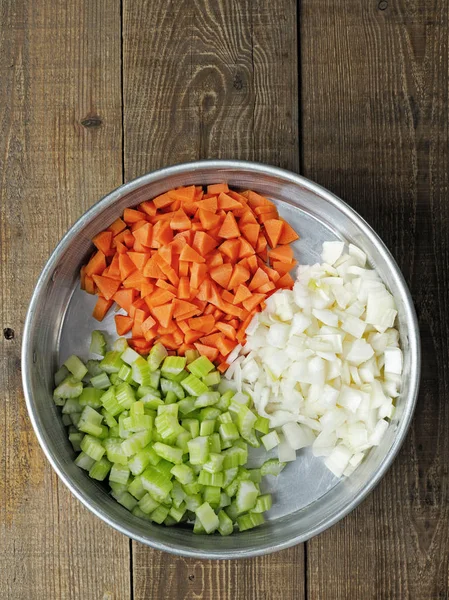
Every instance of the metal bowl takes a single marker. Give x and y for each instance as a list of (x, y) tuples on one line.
[(308, 498)]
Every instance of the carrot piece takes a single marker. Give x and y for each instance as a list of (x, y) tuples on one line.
[(138, 224), (183, 349), (273, 230), (242, 328), (161, 283), (246, 249), (97, 264), (225, 202), (182, 307), (209, 220), (121, 248), (140, 345), (204, 290), (148, 324), (282, 268), (259, 278), (255, 200), (192, 336), (152, 269), (227, 330), (125, 298), (102, 241), (162, 216), (117, 227), (229, 228), (286, 281), (217, 188), (144, 234), (207, 351), (89, 285), (185, 194), (106, 285), (189, 208), (203, 243), (159, 297), (240, 274), (225, 345), (227, 296), (233, 310), (204, 324), (139, 318), (265, 209), (230, 248), (241, 294), (126, 266), (123, 324), (175, 206), (150, 334), (248, 218), (288, 234), (162, 201), (130, 215), (251, 303), (190, 255), (222, 367), (162, 233), (180, 221), (148, 207), (252, 263), (215, 260), (184, 288), (120, 237), (198, 273), (101, 307), (135, 280), (209, 204), (163, 313), (146, 289), (267, 217), (139, 259), (129, 239), (251, 233), (261, 243), (221, 274), (165, 252), (183, 270), (212, 339)]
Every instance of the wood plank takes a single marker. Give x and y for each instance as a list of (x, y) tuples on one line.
[(60, 150), (214, 79), (375, 131)]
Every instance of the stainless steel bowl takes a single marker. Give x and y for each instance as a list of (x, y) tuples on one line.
[(308, 499)]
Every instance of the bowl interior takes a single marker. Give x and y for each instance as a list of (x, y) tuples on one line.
[(308, 497)]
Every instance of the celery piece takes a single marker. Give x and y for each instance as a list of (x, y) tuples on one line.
[(182, 440), (101, 381), (207, 399), (76, 367), (207, 427), (272, 467), (151, 401), (201, 366), (215, 443), (212, 495), (75, 440), (141, 371), (100, 469), (214, 479), (119, 474), (177, 512), (147, 504), (212, 378), (120, 344), (69, 388), (110, 403), (125, 374), (60, 375), (249, 521), (164, 467), (125, 499), (170, 398), (173, 365), (173, 455), (84, 461), (141, 460), (108, 418), (140, 514), (194, 386), (125, 395), (263, 503), (114, 431), (187, 405), (198, 528), (215, 463), (177, 494), (123, 432), (172, 386), (225, 500), (138, 422), (199, 450), (262, 425), (191, 355), (144, 390), (232, 511), (234, 457), (191, 425), (192, 488), (160, 514), (111, 362), (90, 397), (246, 496), (155, 378), (183, 473), (209, 412), (270, 440), (115, 379), (207, 516), (228, 432), (129, 356), (92, 447), (97, 343), (75, 417), (225, 417), (229, 476), (59, 401), (156, 484), (167, 425), (90, 421), (156, 356), (136, 489), (245, 423), (168, 409), (136, 442), (93, 367), (225, 525), (114, 451), (193, 502), (255, 475)]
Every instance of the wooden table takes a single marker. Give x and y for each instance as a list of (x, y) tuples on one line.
[(353, 95)]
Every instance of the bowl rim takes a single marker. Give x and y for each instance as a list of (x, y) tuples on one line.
[(108, 200)]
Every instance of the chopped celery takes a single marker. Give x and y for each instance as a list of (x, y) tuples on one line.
[(272, 467), (125, 499), (200, 367), (207, 427), (170, 398), (129, 356), (191, 355), (92, 447), (144, 390), (160, 514), (174, 455), (110, 403), (246, 496), (70, 387), (207, 516), (147, 504), (155, 378), (156, 484), (61, 374), (212, 378), (137, 512), (199, 450), (262, 424), (75, 418), (214, 443), (76, 367), (183, 473), (187, 405), (255, 475), (119, 474), (164, 467), (193, 502), (225, 525), (182, 440), (142, 459), (90, 397), (225, 500), (229, 476), (108, 418), (97, 343), (228, 432), (111, 362), (100, 469), (114, 451), (93, 367), (125, 395), (172, 386), (141, 373), (177, 512), (263, 503), (156, 356), (192, 425), (151, 401), (177, 494), (71, 406), (173, 365), (270, 440), (198, 528), (215, 463), (212, 495), (207, 399), (120, 344), (125, 374), (207, 478), (90, 422), (84, 461), (194, 386), (75, 440), (136, 442), (249, 521)]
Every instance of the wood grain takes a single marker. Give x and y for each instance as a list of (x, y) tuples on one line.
[(375, 131), (211, 79), (60, 150)]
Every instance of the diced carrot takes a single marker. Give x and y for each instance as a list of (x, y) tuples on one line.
[(209, 220), (162, 200), (146, 289), (242, 328), (189, 208), (150, 334), (148, 324), (140, 345), (252, 263), (265, 210), (225, 345), (126, 266), (229, 228), (101, 307), (185, 194), (161, 283), (135, 280), (198, 274), (251, 233), (123, 324), (223, 367), (221, 274), (139, 259), (148, 207), (241, 294), (138, 224), (209, 204), (120, 237), (251, 303), (288, 234), (248, 218), (204, 324), (180, 221), (214, 260), (159, 297), (204, 290), (182, 307), (240, 274), (114, 268), (183, 270), (164, 313), (217, 188), (212, 339), (175, 205), (282, 268), (106, 285), (89, 285), (282, 253), (162, 234), (192, 336), (233, 310), (255, 199), (190, 255), (207, 351), (259, 278), (129, 239), (97, 264), (203, 243), (227, 296), (117, 227), (184, 288), (103, 241), (152, 269), (227, 330), (131, 216), (266, 288), (218, 314), (286, 281), (121, 248), (125, 298), (230, 248), (245, 249), (225, 202), (144, 235)]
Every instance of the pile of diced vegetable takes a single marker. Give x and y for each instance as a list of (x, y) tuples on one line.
[(171, 446)]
